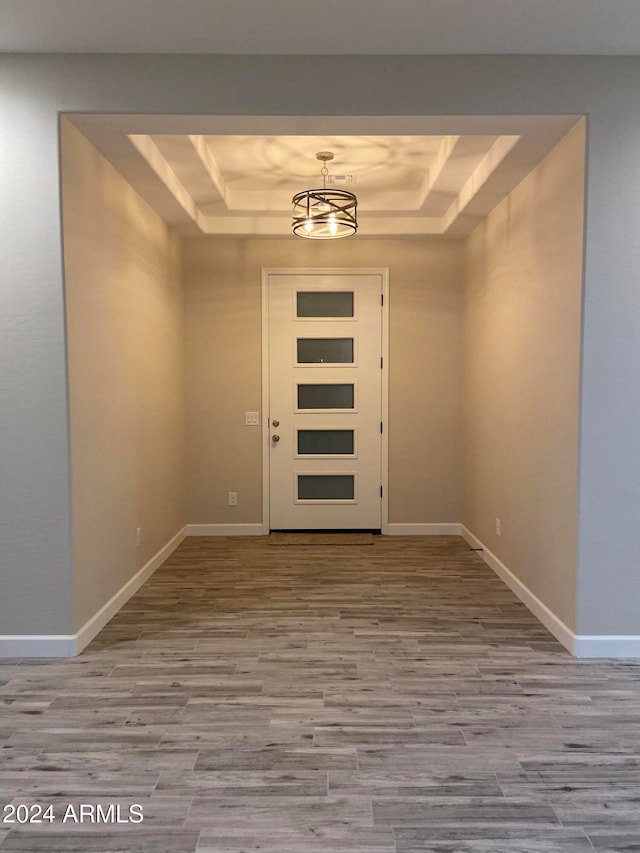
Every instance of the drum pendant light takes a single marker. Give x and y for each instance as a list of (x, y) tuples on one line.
[(325, 214)]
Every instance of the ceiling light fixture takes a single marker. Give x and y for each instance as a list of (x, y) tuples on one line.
[(325, 214)]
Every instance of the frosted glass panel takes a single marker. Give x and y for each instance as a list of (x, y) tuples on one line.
[(324, 304), (325, 487), (325, 350), (325, 441), (325, 396)]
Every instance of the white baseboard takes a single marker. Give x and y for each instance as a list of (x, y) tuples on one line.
[(69, 645), (97, 622), (38, 645), (580, 645), (548, 618), (606, 646), (424, 529), (224, 529)]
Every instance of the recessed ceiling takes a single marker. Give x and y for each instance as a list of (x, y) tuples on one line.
[(237, 175), (328, 27)]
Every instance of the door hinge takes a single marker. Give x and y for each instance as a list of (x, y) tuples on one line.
[(381, 363), (380, 427), (380, 491), (382, 299)]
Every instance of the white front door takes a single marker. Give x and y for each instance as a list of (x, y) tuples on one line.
[(325, 400)]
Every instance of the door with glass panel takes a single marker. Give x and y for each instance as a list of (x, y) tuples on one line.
[(325, 400)]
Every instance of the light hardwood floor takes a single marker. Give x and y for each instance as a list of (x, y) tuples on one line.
[(393, 698)]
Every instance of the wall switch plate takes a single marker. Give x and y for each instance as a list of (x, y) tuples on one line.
[(138, 537), (252, 418), (498, 527), (232, 499)]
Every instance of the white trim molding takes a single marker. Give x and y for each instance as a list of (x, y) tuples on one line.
[(580, 645), (606, 646), (448, 529), (38, 645), (69, 645), (97, 622), (225, 529)]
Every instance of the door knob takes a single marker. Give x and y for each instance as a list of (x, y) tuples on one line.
[(276, 423), (275, 439)]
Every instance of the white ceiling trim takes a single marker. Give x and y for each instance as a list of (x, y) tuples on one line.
[(209, 162), (149, 151), (478, 178), (442, 158)]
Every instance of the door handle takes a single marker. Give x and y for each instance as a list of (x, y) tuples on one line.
[(275, 439)]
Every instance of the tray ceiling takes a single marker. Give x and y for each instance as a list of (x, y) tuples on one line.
[(441, 181)]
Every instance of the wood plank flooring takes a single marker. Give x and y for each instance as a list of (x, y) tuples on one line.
[(385, 699)]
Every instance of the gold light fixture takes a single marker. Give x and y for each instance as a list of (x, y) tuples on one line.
[(325, 214)]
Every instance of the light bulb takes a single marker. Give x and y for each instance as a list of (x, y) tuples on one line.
[(333, 225), (308, 226)]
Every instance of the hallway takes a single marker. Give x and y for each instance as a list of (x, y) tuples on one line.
[(394, 697)]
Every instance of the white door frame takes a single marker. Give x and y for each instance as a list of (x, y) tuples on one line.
[(383, 272)]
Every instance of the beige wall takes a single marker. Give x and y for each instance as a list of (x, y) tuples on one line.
[(129, 380), (521, 387), (126, 370), (125, 352), (223, 333)]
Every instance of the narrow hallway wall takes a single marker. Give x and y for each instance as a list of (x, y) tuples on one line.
[(523, 303), (125, 352)]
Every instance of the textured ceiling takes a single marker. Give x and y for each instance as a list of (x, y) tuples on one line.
[(326, 27)]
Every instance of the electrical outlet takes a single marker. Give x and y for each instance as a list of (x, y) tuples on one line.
[(232, 499), (498, 527), (138, 537)]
